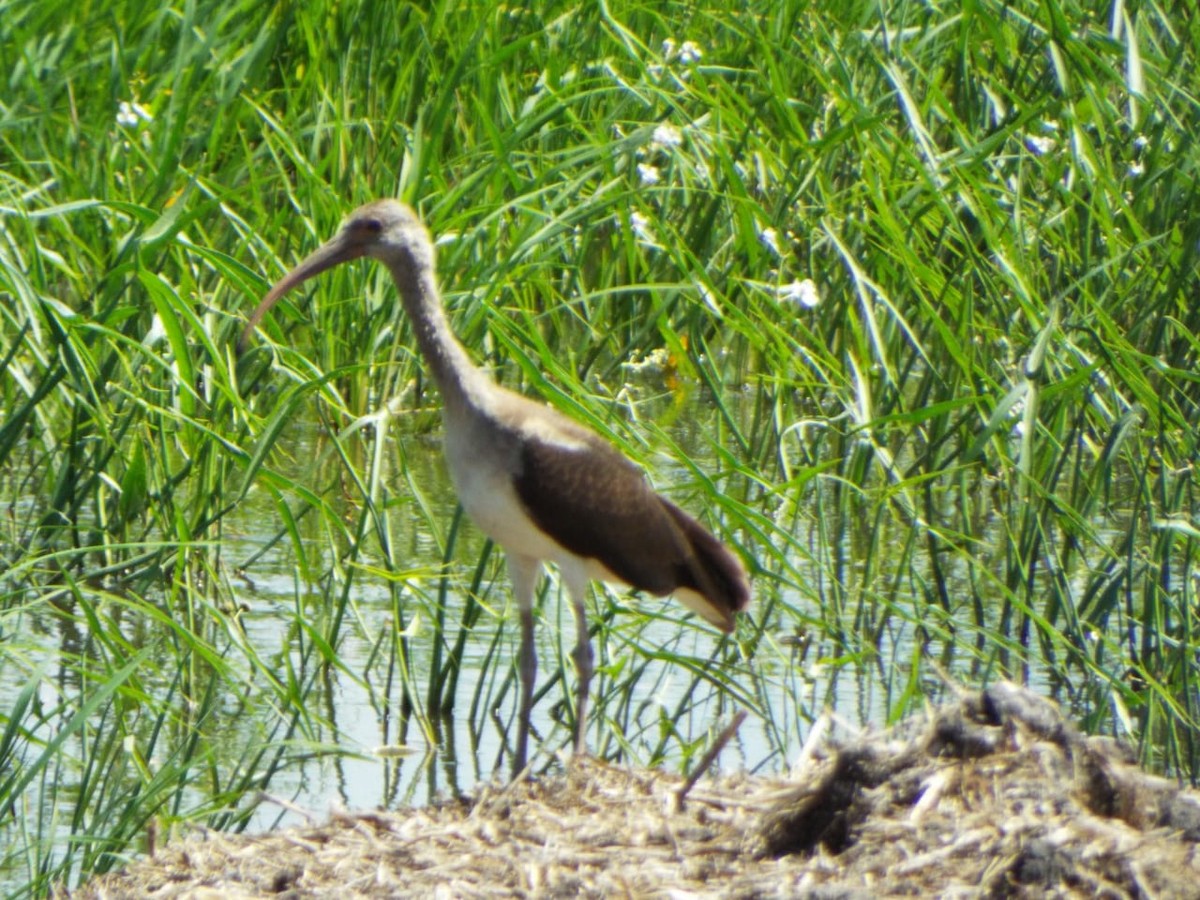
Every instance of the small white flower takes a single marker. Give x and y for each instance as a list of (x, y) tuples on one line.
[(802, 292), (690, 53), (129, 114), (769, 238), (1038, 145), (1136, 169), (667, 136), (125, 116), (640, 225), (668, 48), (648, 174), (1140, 142)]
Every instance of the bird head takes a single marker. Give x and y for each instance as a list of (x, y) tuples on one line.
[(386, 230)]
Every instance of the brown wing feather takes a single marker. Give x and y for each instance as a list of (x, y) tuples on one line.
[(598, 505), (715, 571)]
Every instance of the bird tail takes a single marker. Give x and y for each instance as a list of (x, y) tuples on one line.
[(712, 582)]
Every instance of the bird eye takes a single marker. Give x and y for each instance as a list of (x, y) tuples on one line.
[(371, 226)]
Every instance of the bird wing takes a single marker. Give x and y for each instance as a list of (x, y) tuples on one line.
[(598, 505)]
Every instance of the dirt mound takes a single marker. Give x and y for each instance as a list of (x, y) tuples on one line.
[(996, 796)]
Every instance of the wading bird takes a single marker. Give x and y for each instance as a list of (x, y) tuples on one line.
[(543, 487)]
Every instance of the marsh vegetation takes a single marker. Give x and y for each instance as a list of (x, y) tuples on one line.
[(899, 299)]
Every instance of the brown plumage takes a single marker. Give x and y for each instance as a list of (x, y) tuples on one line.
[(600, 506), (543, 487)]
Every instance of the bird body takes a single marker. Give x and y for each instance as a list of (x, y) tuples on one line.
[(543, 487)]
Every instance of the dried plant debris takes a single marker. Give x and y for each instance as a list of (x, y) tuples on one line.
[(999, 797), (996, 796)]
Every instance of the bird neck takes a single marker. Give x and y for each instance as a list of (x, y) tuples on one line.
[(456, 375)]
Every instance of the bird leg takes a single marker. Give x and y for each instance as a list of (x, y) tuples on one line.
[(583, 668), (528, 664), (524, 571), (576, 579)]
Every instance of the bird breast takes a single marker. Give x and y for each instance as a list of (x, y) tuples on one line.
[(486, 456), (483, 458)]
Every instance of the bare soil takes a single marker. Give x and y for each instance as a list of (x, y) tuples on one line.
[(994, 796)]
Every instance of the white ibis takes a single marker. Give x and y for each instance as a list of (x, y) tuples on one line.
[(545, 488)]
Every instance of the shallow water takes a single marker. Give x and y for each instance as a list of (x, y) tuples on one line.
[(656, 714), (655, 698)]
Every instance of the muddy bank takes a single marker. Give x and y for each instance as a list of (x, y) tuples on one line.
[(995, 796)]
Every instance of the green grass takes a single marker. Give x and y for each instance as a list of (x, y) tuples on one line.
[(975, 455)]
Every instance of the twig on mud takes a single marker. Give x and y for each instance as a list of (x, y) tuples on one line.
[(264, 797), (710, 757)]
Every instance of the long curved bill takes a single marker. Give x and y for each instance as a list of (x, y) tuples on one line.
[(328, 255)]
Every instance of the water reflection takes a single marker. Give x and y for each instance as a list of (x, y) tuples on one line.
[(449, 753), (320, 628)]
